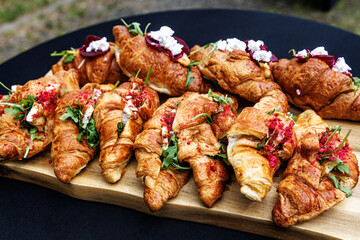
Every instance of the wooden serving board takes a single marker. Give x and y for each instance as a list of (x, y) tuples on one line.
[(232, 211)]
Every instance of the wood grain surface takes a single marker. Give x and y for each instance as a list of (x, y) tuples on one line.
[(232, 211)]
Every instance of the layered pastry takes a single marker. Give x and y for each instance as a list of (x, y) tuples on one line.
[(172, 71), (183, 135), (313, 79), (95, 62), (119, 115), (258, 142), (242, 68), (320, 175), (28, 115)]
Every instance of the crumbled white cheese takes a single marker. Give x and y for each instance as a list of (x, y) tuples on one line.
[(319, 51), (262, 56), (89, 111), (303, 53), (126, 114), (14, 88), (298, 92), (129, 108), (230, 44), (34, 110), (165, 39), (51, 87), (165, 140), (97, 45), (255, 46), (341, 66), (96, 94)]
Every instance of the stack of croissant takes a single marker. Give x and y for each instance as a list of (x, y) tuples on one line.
[(103, 97)]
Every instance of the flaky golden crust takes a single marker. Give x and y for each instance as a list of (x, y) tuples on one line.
[(313, 84), (238, 74), (304, 193), (167, 76), (99, 69), (116, 149), (14, 139), (254, 168), (160, 184)]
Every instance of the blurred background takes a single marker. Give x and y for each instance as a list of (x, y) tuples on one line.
[(26, 23)]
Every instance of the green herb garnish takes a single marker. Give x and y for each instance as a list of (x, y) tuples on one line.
[(69, 55), (271, 112), (115, 86), (120, 128), (207, 116), (8, 89), (355, 81), (189, 78), (147, 76), (339, 185), (170, 156), (290, 115), (134, 28), (220, 99), (76, 115)]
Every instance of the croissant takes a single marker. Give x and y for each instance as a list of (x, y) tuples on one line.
[(321, 173), (196, 144), (112, 108), (72, 149), (237, 73), (258, 142), (28, 115), (99, 69), (312, 84), (160, 184), (167, 76)]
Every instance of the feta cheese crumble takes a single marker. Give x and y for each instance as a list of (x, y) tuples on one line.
[(90, 108), (51, 87), (231, 44), (303, 54), (255, 46), (319, 51), (341, 66), (34, 110), (165, 39), (129, 108), (14, 88), (262, 56), (101, 45)]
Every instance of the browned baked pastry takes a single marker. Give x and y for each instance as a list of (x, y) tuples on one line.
[(28, 115), (321, 173), (119, 115), (258, 142), (168, 76), (313, 84), (99, 69), (75, 137), (179, 138), (238, 73)]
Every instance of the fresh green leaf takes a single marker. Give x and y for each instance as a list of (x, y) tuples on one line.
[(293, 52), (116, 85), (355, 81), (12, 111), (8, 89), (134, 28), (220, 99), (69, 57), (271, 112), (73, 113), (345, 189), (120, 128), (207, 116), (147, 76), (189, 78), (223, 136), (260, 146), (342, 168), (334, 179), (169, 156), (290, 115), (177, 104), (214, 47)]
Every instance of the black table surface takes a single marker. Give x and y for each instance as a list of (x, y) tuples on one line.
[(32, 212)]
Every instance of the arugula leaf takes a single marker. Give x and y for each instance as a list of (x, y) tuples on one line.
[(120, 128), (223, 154), (292, 51), (342, 168), (189, 79), (134, 28), (207, 116), (334, 179), (8, 89), (92, 138), (345, 189), (214, 46), (170, 156), (12, 111), (271, 112), (69, 55), (220, 99), (355, 82)]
